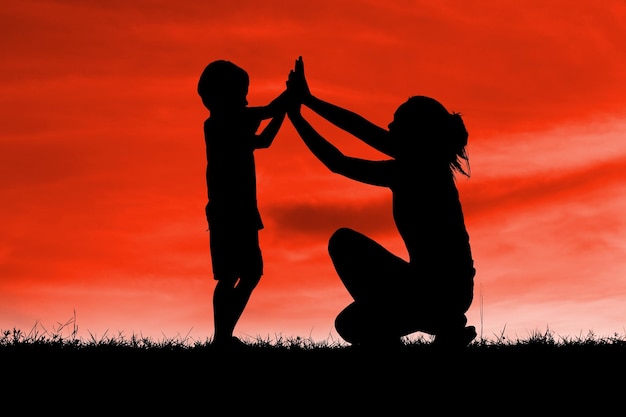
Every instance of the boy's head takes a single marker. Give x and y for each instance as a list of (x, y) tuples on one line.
[(223, 85)]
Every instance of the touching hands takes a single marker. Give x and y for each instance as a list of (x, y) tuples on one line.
[(297, 86), (297, 81)]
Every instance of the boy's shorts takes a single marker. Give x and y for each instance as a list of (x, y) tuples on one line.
[(235, 253)]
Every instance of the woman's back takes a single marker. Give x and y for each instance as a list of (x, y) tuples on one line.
[(429, 218)]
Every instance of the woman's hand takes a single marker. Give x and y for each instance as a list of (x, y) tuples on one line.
[(297, 83)]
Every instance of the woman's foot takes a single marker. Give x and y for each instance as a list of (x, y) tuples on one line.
[(456, 339), (382, 344)]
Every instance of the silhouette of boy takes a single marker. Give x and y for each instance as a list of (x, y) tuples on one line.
[(232, 213)]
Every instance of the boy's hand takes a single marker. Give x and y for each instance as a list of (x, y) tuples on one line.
[(293, 103)]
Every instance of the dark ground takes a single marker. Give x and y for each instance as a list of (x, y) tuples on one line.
[(410, 381)]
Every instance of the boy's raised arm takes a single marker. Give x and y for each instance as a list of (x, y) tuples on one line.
[(274, 108), (267, 135)]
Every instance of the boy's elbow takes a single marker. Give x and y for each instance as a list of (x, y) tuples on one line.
[(265, 142)]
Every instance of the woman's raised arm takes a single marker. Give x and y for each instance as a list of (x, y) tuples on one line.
[(366, 171), (353, 123)]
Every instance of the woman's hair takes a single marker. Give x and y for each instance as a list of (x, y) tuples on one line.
[(447, 129), (459, 136)]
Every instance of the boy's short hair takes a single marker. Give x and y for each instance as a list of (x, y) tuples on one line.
[(221, 79)]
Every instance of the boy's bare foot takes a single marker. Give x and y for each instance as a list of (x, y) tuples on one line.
[(233, 343)]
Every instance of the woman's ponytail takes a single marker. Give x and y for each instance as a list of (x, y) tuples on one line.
[(458, 135)]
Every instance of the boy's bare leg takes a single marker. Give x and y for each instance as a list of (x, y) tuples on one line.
[(224, 323), (229, 301)]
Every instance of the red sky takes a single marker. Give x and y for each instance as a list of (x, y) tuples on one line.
[(102, 158)]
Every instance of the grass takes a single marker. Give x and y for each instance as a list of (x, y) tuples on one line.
[(541, 373), (64, 337)]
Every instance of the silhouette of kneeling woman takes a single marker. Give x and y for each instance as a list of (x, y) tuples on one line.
[(432, 291)]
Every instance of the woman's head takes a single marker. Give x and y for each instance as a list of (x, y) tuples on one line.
[(423, 125)]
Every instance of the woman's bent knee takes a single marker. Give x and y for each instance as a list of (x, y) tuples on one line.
[(354, 323), (345, 326)]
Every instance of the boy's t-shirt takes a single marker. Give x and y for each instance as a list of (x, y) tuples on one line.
[(231, 173)]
